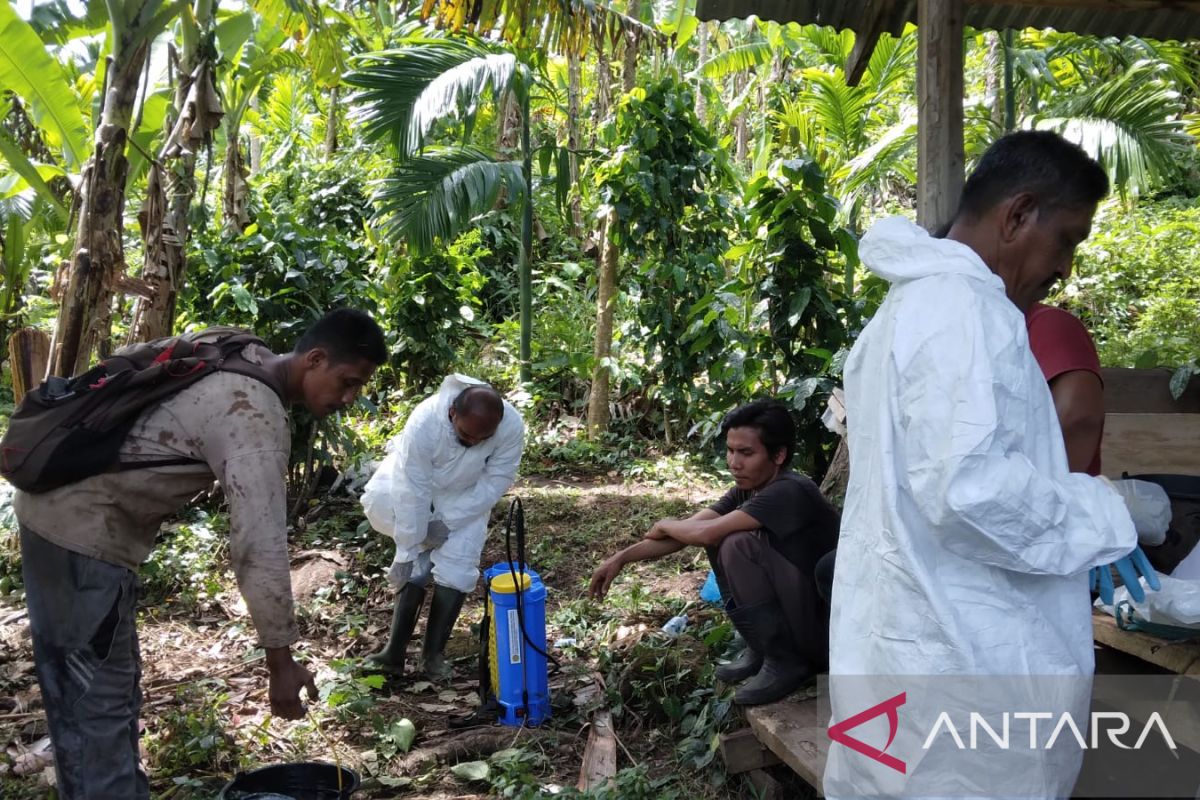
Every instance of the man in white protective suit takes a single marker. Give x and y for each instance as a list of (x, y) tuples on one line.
[(965, 540), (456, 457)]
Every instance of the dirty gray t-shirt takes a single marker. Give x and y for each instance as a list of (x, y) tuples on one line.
[(236, 428)]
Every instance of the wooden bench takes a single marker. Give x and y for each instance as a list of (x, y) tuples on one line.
[(796, 732)]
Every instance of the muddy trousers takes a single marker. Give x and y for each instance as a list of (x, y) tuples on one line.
[(82, 614), (751, 572)]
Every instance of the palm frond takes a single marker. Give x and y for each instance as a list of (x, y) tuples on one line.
[(1132, 126), (741, 58), (830, 47), (891, 155), (892, 63), (840, 110), (403, 92), (436, 195)]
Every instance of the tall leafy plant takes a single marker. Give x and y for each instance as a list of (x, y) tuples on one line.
[(798, 268), (669, 185)]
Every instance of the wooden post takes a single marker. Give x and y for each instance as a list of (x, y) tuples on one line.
[(940, 110), (28, 355)]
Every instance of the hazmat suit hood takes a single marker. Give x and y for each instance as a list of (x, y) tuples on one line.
[(898, 251)]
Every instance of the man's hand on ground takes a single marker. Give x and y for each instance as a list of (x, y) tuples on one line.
[(287, 680), (603, 577)]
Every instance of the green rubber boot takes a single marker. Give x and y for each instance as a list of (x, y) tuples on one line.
[(443, 612), (404, 619)]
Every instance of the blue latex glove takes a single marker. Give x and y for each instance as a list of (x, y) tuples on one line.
[(1128, 567)]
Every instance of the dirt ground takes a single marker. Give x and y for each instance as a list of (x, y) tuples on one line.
[(205, 714)]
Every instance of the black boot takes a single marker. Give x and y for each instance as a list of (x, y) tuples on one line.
[(443, 611), (404, 618), (746, 665), (748, 661), (783, 670)]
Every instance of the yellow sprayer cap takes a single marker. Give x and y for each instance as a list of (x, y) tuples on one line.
[(503, 583)]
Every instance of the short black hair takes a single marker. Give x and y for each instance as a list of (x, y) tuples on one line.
[(479, 401), (773, 421), (346, 334), (1056, 172)]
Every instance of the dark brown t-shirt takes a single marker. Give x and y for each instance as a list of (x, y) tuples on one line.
[(799, 522)]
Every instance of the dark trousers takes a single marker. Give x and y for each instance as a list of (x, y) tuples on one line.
[(751, 572), (82, 615), (824, 575)]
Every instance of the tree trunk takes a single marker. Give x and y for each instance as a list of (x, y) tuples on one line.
[(606, 293), (837, 477), (331, 124), (236, 191), (992, 73), (164, 222), (701, 102), (198, 112), (573, 92), (163, 265), (508, 138), (256, 144), (1010, 84), (603, 84), (740, 129), (629, 70), (525, 268), (99, 256)]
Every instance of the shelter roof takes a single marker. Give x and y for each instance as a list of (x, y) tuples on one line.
[(1152, 19)]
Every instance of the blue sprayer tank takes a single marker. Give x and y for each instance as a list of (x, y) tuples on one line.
[(519, 674)]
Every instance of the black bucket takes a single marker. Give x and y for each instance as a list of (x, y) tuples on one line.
[(1184, 533), (310, 780)]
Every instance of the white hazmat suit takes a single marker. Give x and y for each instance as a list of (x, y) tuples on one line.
[(965, 541), (428, 477)]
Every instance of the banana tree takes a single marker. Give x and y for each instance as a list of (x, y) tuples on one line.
[(258, 59), (165, 222), (98, 259), (435, 192)]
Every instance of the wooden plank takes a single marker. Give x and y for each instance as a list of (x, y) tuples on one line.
[(28, 355), (1146, 391), (939, 110), (1151, 443), (600, 754), (742, 752), (1180, 657), (796, 733)]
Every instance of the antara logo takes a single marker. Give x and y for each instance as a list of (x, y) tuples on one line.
[(837, 732)]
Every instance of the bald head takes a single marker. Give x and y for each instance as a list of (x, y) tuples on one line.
[(476, 414)]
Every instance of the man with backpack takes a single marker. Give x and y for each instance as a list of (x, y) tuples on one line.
[(213, 405)]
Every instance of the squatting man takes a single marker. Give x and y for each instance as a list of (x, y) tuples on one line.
[(456, 457)]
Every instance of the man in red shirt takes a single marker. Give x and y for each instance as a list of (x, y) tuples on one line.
[(1065, 352)]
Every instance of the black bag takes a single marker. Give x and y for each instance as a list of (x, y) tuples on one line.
[(69, 429)]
